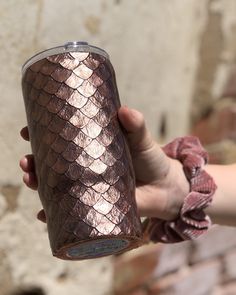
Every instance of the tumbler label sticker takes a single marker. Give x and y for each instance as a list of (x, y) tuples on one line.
[(97, 248)]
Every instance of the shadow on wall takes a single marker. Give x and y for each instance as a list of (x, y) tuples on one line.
[(29, 291)]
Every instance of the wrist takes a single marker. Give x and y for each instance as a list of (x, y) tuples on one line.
[(191, 220)]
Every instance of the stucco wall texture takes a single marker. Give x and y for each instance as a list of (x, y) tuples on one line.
[(171, 59)]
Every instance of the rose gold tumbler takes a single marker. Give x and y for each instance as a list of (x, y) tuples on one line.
[(83, 165)]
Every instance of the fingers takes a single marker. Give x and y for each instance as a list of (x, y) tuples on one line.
[(29, 177), (30, 180), (138, 136), (25, 133), (42, 216), (27, 163)]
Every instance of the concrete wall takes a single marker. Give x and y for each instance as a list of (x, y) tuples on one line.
[(167, 56)]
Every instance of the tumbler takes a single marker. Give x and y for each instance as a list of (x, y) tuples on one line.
[(86, 181)]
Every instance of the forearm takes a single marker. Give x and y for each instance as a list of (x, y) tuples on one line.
[(223, 208)]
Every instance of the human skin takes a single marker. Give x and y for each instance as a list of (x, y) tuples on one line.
[(223, 208), (161, 185)]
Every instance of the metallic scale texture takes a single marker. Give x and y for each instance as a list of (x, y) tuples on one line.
[(83, 164)]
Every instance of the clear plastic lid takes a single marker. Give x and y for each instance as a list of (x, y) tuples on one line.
[(71, 46)]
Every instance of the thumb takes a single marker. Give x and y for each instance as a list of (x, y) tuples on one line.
[(138, 135), (149, 160)]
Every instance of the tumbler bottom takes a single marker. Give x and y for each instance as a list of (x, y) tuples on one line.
[(93, 249)]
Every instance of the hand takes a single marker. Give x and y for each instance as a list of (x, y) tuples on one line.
[(160, 182)]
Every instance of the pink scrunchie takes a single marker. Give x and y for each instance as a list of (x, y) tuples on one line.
[(192, 220)]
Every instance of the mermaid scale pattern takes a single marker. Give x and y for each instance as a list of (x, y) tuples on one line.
[(83, 165)]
